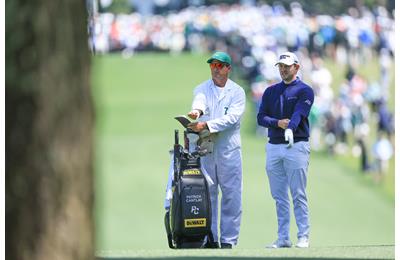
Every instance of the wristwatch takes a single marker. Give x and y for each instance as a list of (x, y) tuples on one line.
[(201, 112)]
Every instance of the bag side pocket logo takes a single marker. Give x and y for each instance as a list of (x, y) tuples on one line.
[(195, 222)]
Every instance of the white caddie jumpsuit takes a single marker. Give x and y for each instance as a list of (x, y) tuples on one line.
[(223, 109)]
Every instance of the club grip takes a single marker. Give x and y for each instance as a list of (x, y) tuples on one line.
[(185, 140), (176, 137)]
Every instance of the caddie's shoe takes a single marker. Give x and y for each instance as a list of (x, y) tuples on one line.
[(280, 243), (211, 245), (303, 242), (226, 246)]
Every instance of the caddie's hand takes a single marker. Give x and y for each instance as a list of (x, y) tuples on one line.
[(283, 123), (289, 137), (197, 126), (194, 114)]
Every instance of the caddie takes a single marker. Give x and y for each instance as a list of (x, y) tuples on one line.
[(219, 104)]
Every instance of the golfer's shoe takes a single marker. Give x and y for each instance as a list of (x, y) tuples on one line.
[(280, 243), (303, 242)]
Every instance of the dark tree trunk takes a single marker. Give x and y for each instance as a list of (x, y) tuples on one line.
[(49, 123)]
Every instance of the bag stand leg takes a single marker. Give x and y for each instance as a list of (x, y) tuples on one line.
[(168, 230)]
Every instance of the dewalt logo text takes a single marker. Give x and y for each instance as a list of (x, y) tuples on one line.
[(195, 222), (191, 172)]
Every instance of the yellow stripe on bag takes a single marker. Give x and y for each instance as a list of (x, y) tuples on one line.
[(191, 172), (195, 222)]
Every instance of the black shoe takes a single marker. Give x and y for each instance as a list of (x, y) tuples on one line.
[(211, 245), (226, 246)]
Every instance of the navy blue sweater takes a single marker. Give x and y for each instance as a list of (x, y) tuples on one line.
[(280, 101)]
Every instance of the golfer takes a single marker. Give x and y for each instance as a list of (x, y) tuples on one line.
[(219, 104), (284, 110)]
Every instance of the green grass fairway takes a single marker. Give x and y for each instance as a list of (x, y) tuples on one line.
[(136, 100), (348, 252)]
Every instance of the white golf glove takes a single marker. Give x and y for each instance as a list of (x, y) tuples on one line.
[(289, 137)]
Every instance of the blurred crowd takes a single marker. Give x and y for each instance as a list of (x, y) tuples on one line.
[(254, 35)]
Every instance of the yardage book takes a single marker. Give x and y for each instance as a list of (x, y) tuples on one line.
[(183, 120)]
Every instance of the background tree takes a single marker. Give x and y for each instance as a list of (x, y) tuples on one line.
[(49, 123)]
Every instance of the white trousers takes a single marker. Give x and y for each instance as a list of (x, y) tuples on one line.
[(226, 173), (287, 171)]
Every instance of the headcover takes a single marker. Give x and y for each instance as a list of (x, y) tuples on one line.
[(206, 142)]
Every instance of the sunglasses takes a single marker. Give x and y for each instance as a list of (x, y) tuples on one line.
[(218, 65)]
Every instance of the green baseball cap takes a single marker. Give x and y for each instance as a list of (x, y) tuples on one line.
[(220, 56)]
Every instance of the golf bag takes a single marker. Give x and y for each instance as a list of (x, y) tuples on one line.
[(188, 220)]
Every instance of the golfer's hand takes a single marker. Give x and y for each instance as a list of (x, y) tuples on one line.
[(289, 137), (197, 126), (283, 123), (194, 114)]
